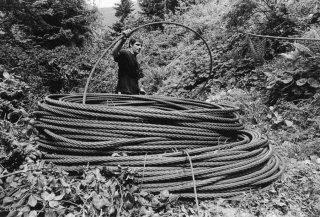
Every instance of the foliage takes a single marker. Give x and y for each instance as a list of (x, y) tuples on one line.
[(293, 130), (180, 53), (300, 120), (16, 126), (123, 9), (153, 79), (29, 28), (278, 22), (13, 96), (297, 193), (117, 27), (184, 6), (163, 8), (104, 79), (306, 11), (269, 18), (265, 17), (251, 106), (241, 13), (157, 7), (17, 148), (52, 71), (295, 77), (40, 188), (47, 23)]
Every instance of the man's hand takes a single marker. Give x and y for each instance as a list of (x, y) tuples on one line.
[(127, 33), (117, 47)]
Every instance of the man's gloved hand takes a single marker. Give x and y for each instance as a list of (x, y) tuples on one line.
[(127, 33)]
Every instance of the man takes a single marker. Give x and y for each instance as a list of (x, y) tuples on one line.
[(129, 71)]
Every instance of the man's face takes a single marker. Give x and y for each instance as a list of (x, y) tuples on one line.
[(136, 47)]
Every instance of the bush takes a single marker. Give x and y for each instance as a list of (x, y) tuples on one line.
[(13, 97)]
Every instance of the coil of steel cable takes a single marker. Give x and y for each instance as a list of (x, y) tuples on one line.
[(158, 133)]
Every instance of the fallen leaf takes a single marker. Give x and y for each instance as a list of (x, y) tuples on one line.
[(287, 80), (7, 201), (6, 75), (25, 209), (50, 213), (288, 123), (17, 194), (143, 193), (53, 203), (111, 210), (99, 202), (301, 81), (128, 205), (313, 82), (9, 179), (173, 198), (183, 209), (46, 196), (164, 195), (32, 201), (155, 202)]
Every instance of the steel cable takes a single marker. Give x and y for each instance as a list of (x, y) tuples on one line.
[(150, 135)]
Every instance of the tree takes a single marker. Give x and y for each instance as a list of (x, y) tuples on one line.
[(123, 9), (157, 7), (117, 26), (40, 42), (49, 23), (161, 7)]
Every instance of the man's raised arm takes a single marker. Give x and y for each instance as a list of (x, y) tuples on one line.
[(116, 49)]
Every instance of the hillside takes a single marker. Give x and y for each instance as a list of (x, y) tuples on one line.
[(108, 14), (229, 125)]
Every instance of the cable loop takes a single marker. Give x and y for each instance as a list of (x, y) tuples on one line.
[(224, 159)]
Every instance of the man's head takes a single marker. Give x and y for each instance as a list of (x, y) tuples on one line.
[(135, 45)]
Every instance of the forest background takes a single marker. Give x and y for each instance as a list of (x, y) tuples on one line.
[(50, 46)]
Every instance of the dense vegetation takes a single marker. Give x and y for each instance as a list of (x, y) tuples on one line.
[(51, 46)]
